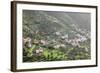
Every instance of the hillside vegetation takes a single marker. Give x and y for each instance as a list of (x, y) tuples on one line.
[(56, 36)]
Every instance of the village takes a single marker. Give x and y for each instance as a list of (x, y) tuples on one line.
[(58, 43)]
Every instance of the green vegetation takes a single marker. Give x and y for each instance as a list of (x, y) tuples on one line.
[(51, 36), (35, 53)]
